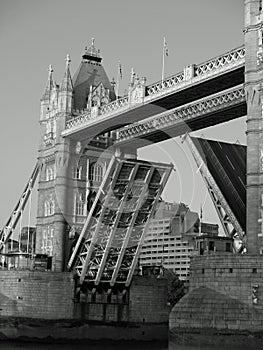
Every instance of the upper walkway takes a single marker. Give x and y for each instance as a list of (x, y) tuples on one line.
[(194, 82)]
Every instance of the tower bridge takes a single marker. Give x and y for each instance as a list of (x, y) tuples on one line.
[(83, 124), (194, 83), (95, 198)]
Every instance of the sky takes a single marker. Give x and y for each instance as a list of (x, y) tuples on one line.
[(36, 33)]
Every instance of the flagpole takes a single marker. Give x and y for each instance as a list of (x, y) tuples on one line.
[(117, 83), (201, 220), (163, 59)]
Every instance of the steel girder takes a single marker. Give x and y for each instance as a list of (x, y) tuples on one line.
[(108, 247), (230, 224)]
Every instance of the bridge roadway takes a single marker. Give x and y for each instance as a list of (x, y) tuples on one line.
[(196, 82)]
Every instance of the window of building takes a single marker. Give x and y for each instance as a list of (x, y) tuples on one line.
[(211, 245), (77, 172), (80, 204), (49, 207), (96, 172), (47, 240), (50, 173)]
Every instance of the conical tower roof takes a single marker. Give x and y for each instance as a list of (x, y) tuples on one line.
[(89, 73), (50, 84), (67, 84)]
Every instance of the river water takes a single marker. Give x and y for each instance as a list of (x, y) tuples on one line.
[(131, 346)]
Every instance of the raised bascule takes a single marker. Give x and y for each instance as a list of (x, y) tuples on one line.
[(95, 198)]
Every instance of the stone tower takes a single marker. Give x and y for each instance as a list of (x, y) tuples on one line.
[(71, 170), (253, 86)]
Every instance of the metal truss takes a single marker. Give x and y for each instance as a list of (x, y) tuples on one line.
[(13, 219), (108, 247), (84, 118), (231, 226), (185, 113), (218, 64), (208, 69)]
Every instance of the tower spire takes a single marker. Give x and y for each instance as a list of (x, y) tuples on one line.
[(67, 81), (50, 83), (91, 53)]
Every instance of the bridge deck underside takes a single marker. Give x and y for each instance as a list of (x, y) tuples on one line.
[(227, 164), (181, 127)]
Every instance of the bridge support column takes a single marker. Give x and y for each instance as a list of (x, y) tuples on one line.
[(253, 85)]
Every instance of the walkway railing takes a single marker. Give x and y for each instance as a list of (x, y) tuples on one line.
[(222, 62), (184, 113), (191, 74)]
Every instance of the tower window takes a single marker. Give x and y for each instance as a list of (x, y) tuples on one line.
[(49, 207), (50, 174), (96, 172), (80, 205), (77, 172), (47, 240)]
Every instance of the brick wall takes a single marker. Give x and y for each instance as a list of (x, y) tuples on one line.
[(36, 294), (49, 295), (148, 300), (232, 275), (226, 293)]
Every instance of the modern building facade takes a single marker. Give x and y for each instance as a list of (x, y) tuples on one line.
[(170, 239)]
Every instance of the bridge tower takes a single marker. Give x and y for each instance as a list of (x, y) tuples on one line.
[(253, 85), (71, 169)]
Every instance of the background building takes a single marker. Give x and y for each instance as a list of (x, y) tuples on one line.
[(170, 239)]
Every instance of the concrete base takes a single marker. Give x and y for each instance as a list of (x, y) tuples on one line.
[(225, 301)]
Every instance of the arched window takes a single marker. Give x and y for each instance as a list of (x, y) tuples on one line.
[(47, 240), (49, 207), (79, 204), (96, 172), (50, 173), (52, 207), (77, 172)]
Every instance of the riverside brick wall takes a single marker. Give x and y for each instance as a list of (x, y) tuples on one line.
[(226, 294), (148, 300), (35, 294), (49, 295), (232, 275)]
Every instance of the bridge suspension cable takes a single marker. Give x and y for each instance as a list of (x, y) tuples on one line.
[(16, 214)]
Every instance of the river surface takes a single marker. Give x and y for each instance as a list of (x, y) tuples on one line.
[(131, 346)]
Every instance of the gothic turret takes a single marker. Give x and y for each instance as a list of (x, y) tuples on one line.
[(51, 89), (66, 90), (91, 79), (50, 84)]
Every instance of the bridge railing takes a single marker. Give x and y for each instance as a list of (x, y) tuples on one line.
[(119, 103), (221, 100), (89, 116), (227, 60), (230, 58), (192, 73)]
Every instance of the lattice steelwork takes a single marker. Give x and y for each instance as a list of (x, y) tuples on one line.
[(12, 221), (213, 66), (208, 69), (109, 244), (87, 117), (191, 110), (231, 226)]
